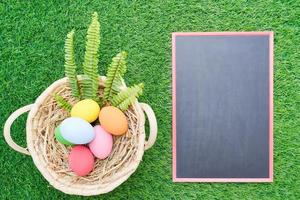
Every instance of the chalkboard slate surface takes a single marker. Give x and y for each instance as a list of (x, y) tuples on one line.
[(222, 107)]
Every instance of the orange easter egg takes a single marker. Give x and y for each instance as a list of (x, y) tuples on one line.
[(113, 120)]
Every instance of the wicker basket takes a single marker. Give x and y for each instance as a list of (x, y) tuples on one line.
[(51, 157)]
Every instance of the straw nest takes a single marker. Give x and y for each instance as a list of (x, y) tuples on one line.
[(51, 157)]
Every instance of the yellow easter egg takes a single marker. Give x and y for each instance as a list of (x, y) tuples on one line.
[(113, 120), (87, 109)]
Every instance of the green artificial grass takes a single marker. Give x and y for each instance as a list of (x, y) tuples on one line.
[(32, 38)]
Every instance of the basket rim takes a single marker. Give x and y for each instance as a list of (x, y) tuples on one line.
[(77, 189)]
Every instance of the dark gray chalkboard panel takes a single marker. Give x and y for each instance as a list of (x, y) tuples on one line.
[(222, 107)]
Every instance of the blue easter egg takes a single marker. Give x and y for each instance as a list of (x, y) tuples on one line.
[(77, 131)]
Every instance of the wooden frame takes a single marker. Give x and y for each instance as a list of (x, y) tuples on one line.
[(176, 179)]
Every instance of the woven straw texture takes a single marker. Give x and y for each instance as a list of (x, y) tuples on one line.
[(51, 157)]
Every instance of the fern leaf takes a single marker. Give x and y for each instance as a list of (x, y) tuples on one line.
[(70, 66), (90, 64), (127, 97), (63, 103), (114, 76)]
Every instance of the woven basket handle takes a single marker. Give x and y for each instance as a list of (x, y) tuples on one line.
[(153, 125), (7, 126)]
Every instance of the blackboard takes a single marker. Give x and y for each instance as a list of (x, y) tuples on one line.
[(222, 107)]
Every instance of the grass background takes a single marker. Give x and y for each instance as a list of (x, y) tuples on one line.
[(31, 58)]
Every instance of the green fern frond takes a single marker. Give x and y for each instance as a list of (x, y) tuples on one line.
[(114, 76), (90, 64), (127, 97), (70, 66), (63, 103)]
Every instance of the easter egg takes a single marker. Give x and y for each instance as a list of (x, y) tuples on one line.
[(87, 109), (113, 120), (101, 146), (59, 137), (77, 131), (81, 160)]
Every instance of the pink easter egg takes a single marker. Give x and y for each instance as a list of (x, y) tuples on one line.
[(81, 160), (101, 146)]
